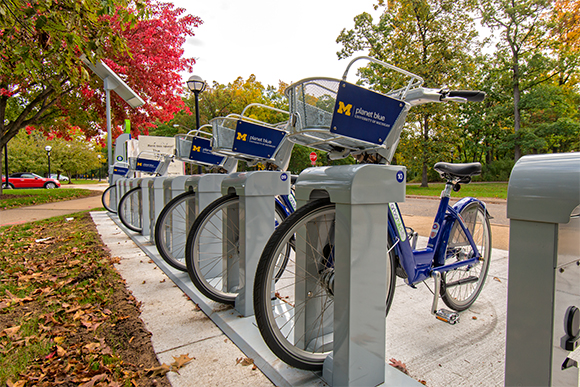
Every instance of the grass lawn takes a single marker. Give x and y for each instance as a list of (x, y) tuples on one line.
[(66, 317), (13, 198), (477, 190)]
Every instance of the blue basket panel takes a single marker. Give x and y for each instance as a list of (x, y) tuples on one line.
[(257, 140), (146, 165), (201, 152), (363, 114), (120, 171)]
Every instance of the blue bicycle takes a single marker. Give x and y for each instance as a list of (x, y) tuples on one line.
[(294, 282)]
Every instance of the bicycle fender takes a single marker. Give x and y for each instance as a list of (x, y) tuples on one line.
[(460, 205)]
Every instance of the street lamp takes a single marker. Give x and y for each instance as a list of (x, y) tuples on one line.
[(196, 85), (48, 148), (100, 166)]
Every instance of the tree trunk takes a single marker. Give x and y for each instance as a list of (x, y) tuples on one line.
[(424, 180), (517, 117)]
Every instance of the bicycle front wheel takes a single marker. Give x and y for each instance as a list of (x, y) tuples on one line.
[(172, 227), (294, 308), (461, 287), (109, 198), (130, 210), (212, 249)]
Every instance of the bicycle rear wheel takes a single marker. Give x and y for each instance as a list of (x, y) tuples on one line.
[(130, 210), (461, 287), (212, 249), (294, 307), (109, 198), (172, 227)]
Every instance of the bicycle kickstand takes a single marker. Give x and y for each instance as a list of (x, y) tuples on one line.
[(442, 314)]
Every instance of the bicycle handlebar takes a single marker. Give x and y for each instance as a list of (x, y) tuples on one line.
[(422, 95), (469, 95)]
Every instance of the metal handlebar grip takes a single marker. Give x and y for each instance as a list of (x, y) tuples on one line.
[(469, 95)]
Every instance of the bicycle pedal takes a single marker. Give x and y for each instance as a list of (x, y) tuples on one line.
[(447, 316)]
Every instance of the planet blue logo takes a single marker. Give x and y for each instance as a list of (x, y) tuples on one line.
[(400, 176), (284, 177), (119, 158)]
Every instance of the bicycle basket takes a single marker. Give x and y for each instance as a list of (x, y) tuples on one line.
[(120, 168), (193, 147), (337, 116), (151, 162), (333, 115), (246, 138)]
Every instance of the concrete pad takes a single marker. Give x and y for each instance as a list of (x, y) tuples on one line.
[(470, 353), (178, 327), (466, 354), (215, 364)]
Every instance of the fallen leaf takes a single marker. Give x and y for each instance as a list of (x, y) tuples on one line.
[(92, 346), (10, 332), (181, 360), (95, 379), (158, 371), (20, 383), (398, 365), (245, 361), (496, 279), (60, 351)]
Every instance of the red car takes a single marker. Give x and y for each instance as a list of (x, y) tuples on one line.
[(29, 180)]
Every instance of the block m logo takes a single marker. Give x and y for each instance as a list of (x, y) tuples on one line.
[(242, 136), (196, 148), (344, 109)]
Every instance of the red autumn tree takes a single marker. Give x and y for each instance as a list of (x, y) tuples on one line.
[(151, 69)]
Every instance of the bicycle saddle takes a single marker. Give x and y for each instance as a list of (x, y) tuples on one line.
[(458, 170)]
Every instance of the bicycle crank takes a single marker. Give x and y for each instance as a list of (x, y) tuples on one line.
[(445, 315)]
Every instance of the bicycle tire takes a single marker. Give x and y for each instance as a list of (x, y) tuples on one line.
[(203, 267), (310, 230), (106, 198), (461, 287), (130, 210), (172, 228)]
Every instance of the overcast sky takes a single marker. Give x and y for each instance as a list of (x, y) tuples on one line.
[(273, 39)]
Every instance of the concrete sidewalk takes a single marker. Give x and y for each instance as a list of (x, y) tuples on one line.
[(48, 210), (466, 354)]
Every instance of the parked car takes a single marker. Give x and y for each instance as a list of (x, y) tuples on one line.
[(29, 180), (59, 177)]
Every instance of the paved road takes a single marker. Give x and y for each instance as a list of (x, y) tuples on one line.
[(418, 213)]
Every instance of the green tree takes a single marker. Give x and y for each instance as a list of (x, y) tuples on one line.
[(75, 155), (434, 39), (520, 51), (41, 45)]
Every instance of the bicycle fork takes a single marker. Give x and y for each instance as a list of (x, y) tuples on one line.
[(448, 316)]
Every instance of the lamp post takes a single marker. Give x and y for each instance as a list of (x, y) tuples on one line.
[(100, 166), (48, 148), (196, 85)]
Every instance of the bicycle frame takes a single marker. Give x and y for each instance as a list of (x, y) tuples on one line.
[(420, 264)]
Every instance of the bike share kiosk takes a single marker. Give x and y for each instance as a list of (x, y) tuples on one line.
[(543, 316), (359, 121), (253, 222)]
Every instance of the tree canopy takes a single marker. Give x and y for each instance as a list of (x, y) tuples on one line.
[(44, 84)]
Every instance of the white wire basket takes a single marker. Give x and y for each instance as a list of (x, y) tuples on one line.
[(195, 148), (339, 117), (248, 139), (155, 163)]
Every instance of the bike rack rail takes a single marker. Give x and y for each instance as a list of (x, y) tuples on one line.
[(361, 194), (256, 191)]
